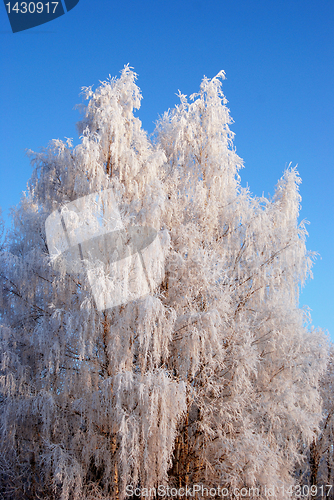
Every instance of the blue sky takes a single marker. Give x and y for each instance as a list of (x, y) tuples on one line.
[(278, 56)]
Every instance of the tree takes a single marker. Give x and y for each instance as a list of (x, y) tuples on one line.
[(210, 378), (318, 466)]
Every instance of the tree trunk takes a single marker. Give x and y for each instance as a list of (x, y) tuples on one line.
[(314, 462)]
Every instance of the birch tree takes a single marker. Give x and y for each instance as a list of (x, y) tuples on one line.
[(211, 377), (317, 469)]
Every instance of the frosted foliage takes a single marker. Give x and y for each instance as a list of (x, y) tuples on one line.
[(212, 375), (317, 467)]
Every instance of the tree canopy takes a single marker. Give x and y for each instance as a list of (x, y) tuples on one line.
[(213, 376)]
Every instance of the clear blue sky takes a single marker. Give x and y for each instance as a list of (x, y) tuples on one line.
[(278, 56)]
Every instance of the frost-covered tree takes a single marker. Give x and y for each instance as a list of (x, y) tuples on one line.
[(211, 377), (317, 469)]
